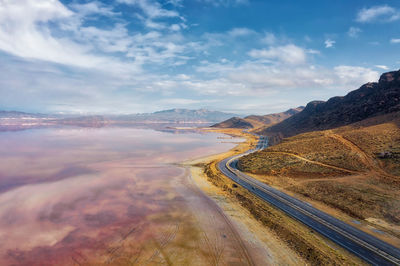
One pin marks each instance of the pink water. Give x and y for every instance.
(94, 196)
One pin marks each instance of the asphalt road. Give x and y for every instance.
(365, 246)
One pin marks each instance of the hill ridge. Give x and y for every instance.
(371, 99)
(254, 121)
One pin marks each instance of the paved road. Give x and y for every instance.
(365, 246)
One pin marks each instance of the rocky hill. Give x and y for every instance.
(256, 121)
(201, 115)
(371, 99)
(175, 116)
(234, 122)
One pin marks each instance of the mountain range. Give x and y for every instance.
(343, 153)
(13, 120)
(370, 100)
(175, 116)
(254, 121)
(373, 99)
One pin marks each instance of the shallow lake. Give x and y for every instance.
(73, 196)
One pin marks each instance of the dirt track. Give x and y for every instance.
(314, 162)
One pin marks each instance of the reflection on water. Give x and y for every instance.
(97, 196)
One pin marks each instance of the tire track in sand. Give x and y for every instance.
(231, 226)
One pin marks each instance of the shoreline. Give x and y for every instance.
(262, 244)
(298, 244)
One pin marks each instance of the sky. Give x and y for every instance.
(240, 56)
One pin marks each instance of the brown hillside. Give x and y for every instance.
(355, 168)
(234, 122)
(371, 99)
(257, 121)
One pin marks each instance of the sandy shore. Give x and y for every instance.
(261, 244)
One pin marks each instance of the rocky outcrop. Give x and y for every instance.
(371, 99)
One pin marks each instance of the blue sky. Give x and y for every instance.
(242, 56)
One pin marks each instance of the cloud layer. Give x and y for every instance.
(382, 13)
(143, 55)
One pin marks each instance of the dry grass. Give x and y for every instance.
(360, 200)
(282, 164)
(378, 139)
(371, 191)
(315, 249)
(315, 146)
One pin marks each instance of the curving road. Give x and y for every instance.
(365, 246)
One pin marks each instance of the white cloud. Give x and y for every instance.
(382, 67)
(107, 64)
(269, 38)
(225, 2)
(248, 79)
(211, 39)
(351, 75)
(152, 9)
(239, 32)
(49, 31)
(288, 54)
(91, 8)
(312, 51)
(382, 13)
(175, 2)
(395, 41)
(115, 39)
(353, 32)
(23, 32)
(329, 43)
(175, 27)
(179, 101)
(253, 78)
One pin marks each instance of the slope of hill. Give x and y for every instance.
(275, 118)
(234, 122)
(256, 121)
(371, 99)
(354, 169)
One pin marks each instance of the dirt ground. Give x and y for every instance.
(282, 240)
(349, 172)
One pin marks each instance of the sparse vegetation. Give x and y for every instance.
(283, 164)
(377, 140)
(370, 152)
(312, 247)
(314, 147)
(359, 200)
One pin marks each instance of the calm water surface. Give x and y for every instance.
(99, 196)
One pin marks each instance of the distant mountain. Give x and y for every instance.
(234, 122)
(254, 121)
(84, 121)
(15, 114)
(176, 116)
(371, 99)
(13, 120)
